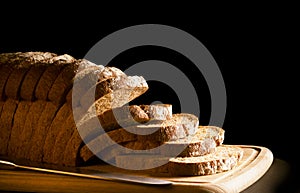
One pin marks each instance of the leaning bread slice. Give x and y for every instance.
(204, 141)
(225, 158)
(130, 88)
(128, 115)
(180, 126)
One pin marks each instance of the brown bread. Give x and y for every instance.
(6, 123)
(54, 129)
(40, 132)
(30, 125)
(18, 126)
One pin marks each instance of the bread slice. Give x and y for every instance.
(104, 141)
(30, 81)
(54, 66)
(125, 116)
(6, 123)
(134, 114)
(55, 127)
(63, 83)
(132, 87)
(5, 72)
(40, 132)
(83, 81)
(18, 126)
(14, 81)
(140, 113)
(107, 81)
(62, 139)
(16, 66)
(32, 118)
(206, 139)
(179, 126)
(225, 158)
(9, 62)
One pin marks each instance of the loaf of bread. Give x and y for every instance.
(56, 109)
(37, 101)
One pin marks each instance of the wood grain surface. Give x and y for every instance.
(256, 161)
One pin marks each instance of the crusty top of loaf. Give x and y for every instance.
(28, 59)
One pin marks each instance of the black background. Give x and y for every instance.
(255, 56)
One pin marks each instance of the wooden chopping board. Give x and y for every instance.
(256, 161)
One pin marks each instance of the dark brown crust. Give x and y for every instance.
(14, 81)
(18, 125)
(31, 122)
(54, 129)
(25, 59)
(5, 72)
(30, 81)
(6, 123)
(40, 132)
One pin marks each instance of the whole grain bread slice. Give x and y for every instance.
(104, 141)
(6, 123)
(18, 126)
(30, 81)
(18, 60)
(62, 139)
(134, 114)
(54, 66)
(16, 65)
(56, 126)
(127, 116)
(204, 141)
(83, 81)
(179, 126)
(5, 72)
(14, 81)
(225, 158)
(132, 87)
(32, 118)
(40, 132)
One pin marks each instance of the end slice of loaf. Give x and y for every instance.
(225, 158)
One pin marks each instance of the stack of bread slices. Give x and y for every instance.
(60, 110)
